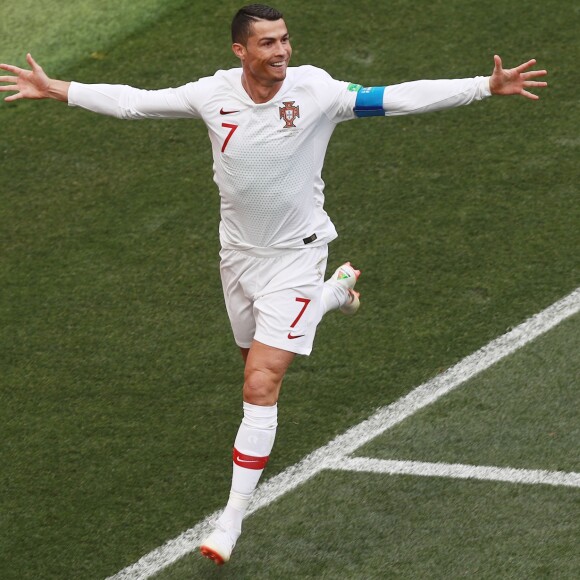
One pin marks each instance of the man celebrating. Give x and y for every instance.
(269, 127)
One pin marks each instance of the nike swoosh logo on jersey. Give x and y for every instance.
(222, 112)
(291, 336)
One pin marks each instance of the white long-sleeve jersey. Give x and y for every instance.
(268, 157)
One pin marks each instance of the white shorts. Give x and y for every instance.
(276, 301)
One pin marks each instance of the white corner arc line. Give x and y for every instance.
(458, 471)
(345, 444)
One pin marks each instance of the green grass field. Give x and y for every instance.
(120, 385)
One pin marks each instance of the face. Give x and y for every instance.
(267, 52)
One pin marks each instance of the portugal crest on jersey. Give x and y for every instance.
(289, 112)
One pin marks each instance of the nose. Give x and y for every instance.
(282, 48)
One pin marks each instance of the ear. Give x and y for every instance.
(239, 50)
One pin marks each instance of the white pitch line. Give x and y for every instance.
(345, 444)
(458, 471)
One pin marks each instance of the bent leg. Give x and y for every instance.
(338, 291)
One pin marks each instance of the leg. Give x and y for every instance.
(264, 372)
(271, 323)
(265, 369)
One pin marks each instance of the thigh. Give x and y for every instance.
(289, 307)
(238, 300)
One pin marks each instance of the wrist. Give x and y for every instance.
(486, 86)
(57, 90)
(493, 86)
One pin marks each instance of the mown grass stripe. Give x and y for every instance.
(335, 452)
(60, 33)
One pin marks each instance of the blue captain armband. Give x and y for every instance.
(369, 102)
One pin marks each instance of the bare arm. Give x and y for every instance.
(32, 84)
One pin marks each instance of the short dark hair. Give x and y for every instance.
(246, 16)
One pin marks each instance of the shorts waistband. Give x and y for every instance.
(257, 252)
(265, 252)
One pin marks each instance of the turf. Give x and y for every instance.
(346, 525)
(360, 526)
(507, 416)
(119, 380)
(60, 33)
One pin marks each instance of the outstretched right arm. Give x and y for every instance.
(32, 84)
(119, 101)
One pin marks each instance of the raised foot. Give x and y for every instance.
(347, 276)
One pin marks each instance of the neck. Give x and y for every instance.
(260, 93)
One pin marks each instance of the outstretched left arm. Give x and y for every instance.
(435, 95)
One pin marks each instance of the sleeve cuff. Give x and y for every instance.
(485, 87)
(71, 94)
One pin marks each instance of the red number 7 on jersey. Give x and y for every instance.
(232, 129)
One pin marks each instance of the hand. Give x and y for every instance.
(515, 81)
(31, 84)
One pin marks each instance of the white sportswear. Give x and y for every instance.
(268, 157)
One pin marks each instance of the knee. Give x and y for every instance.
(261, 387)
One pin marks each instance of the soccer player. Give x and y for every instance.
(269, 127)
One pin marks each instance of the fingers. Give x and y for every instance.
(8, 79)
(535, 84)
(11, 68)
(529, 95)
(534, 73)
(13, 88)
(526, 65)
(17, 70)
(6, 88)
(33, 64)
(9, 88)
(13, 98)
(530, 84)
(521, 68)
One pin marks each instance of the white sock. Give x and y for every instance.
(252, 448)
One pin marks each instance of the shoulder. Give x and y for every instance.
(335, 98)
(312, 80)
(318, 80)
(220, 83)
(221, 77)
(308, 73)
(208, 93)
